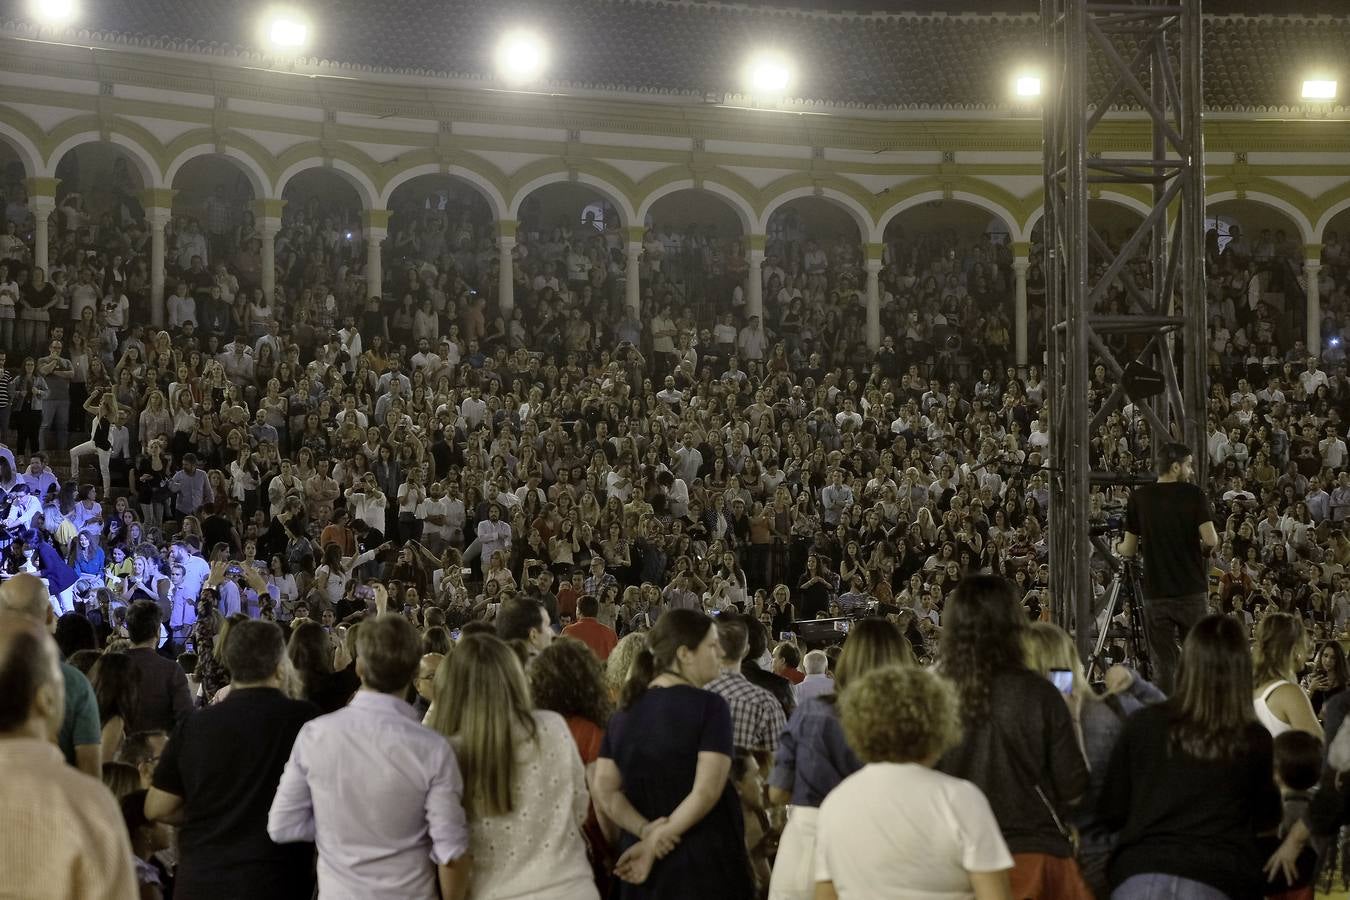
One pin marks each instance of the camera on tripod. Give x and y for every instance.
(1122, 615)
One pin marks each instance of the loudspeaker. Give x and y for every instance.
(1140, 382)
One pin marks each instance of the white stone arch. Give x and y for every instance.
(743, 208)
(257, 175)
(867, 229)
(616, 197)
(967, 197)
(141, 158)
(360, 181)
(1125, 201)
(490, 192)
(25, 149)
(1292, 212)
(1320, 229)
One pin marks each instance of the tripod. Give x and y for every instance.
(1125, 582)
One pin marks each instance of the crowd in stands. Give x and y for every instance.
(362, 512)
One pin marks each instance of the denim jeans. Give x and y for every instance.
(1156, 886)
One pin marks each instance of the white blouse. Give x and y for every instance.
(536, 851)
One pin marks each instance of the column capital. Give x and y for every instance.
(372, 219)
(162, 197)
(755, 242)
(1020, 265)
(268, 226)
(507, 228)
(875, 252)
(506, 242)
(39, 187)
(268, 208)
(1021, 249)
(158, 216)
(1312, 252)
(635, 233)
(374, 234)
(633, 248)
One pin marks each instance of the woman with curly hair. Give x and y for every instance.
(567, 678)
(1020, 744)
(813, 756)
(896, 821)
(620, 661)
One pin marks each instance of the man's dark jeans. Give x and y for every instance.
(1167, 621)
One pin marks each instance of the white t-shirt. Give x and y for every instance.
(902, 830)
(430, 507)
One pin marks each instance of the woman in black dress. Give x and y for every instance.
(662, 775)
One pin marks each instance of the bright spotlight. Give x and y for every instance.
(287, 31)
(521, 57)
(1319, 89)
(1027, 86)
(52, 12)
(769, 74)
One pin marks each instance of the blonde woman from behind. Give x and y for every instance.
(524, 785)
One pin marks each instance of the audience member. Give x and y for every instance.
(897, 821)
(68, 840)
(379, 795)
(217, 776)
(524, 786)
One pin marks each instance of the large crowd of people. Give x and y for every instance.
(360, 513)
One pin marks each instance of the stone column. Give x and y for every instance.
(267, 233)
(1020, 264)
(1312, 268)
(375, 261)
(874, 252)
(632, 282)
(754, 291)
(42, 202)
(506, 276)
(374, 228)
(158, 217)
(267, 218)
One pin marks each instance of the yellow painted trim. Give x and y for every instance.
(41, 187)
(158, 197)
(268, 207)
(375, 218)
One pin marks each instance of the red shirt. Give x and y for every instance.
(567, 601)
(793, 675)
(594, 634)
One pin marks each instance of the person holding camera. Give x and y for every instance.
(1171, 517)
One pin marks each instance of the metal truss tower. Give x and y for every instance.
(1149, 55)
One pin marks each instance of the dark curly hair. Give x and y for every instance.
(981, 638)
(568, 679)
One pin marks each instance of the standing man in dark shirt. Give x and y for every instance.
(1172, 519)
(757, 639)
(220, 771)
(165, 700)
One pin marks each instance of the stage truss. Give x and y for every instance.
(1150, 56)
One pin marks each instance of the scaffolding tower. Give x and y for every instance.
(1146, 58)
